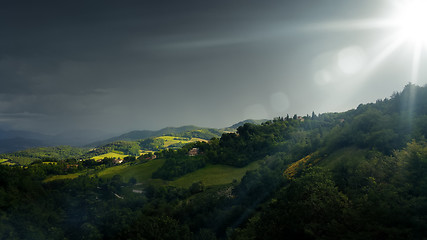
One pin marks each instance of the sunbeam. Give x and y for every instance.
(405, 26)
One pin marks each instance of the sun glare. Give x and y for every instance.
(411, 20)
(405, 27)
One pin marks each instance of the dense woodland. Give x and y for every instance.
(353, 175)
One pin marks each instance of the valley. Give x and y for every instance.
(314, 177)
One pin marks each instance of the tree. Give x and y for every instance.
(197, 187)
(311, 207)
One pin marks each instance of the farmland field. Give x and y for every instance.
(61, 177)
(214, 175)
(209, 175)
(171, 140)
(110, 155)
(142, 172)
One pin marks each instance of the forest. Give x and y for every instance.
(358, 174)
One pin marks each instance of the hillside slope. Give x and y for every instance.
(143, 134)
(358, 174)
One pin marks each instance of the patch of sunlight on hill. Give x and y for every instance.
(172, 140)
(62, 177)
(141, 172)
(109, 155)
(209, 175)
(214, 175)
(8, 163)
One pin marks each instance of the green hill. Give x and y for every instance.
(251, 121)
(209, 175)
(358, 174)
(169, 131)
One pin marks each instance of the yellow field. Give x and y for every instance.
(141, 152)
(109, 155)
(7, 163)
(53, 163)
(3, 160)
(170, 140)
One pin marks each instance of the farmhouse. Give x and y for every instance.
(193, 152)
(117, 161)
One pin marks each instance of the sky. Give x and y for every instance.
(116, 66)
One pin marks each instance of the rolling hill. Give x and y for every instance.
(358, 174)
(143, 134)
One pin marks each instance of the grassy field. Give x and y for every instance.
(170, 140)
(8, 163)
(209, 175)
(142, 172)
(110, 155)
(141, 152)
(214, 175)
(61, 177)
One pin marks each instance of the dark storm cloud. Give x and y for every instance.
(86, 64)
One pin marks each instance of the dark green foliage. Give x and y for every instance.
(252, 142)
(205, 133)
(178, 163)
(374, 189)
(197, 187)
(163, 227)
(153, 144)
(310, 207)
(124, 147)
(45, 153)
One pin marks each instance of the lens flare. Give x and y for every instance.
(351, 60)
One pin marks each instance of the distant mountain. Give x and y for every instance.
(18, 143)
(78, 137)
(184, 131)
(9, 134)
(259, 121)
(142, 134)
(13, 140)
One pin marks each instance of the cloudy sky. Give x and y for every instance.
(116, 66)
